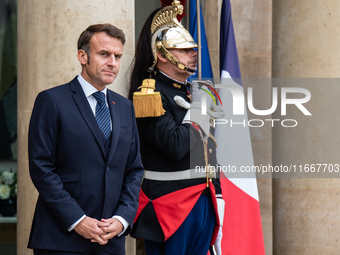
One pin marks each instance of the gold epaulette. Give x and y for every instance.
(147, 102)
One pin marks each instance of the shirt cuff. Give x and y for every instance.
(123, 221)
(76, 223)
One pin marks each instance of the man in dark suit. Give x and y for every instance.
(84, 156)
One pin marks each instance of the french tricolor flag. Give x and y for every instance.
(242, 228)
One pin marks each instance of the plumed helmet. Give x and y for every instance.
(168, 33)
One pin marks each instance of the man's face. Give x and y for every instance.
(188, 57)
(103, 65)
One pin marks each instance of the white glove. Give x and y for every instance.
(198, 93)
(181, 102)
(218, 242)
(216, 112)
(220, 210)
(194, 114)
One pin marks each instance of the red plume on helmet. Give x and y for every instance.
(169, 2)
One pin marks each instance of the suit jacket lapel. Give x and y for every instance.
(115, 119)
(85, 109)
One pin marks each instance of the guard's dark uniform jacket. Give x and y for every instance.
(168, 145)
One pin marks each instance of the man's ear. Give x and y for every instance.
(161, 58)
(82, 57)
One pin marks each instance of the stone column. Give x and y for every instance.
(47, 45)
(306, 45)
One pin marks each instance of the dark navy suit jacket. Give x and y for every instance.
(74, 173)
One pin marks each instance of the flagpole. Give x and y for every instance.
(199, 42)
(188, 15)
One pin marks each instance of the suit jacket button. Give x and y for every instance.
(107, 169)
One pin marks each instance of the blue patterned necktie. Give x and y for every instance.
(102, 114)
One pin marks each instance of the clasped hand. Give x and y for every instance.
(99, 231)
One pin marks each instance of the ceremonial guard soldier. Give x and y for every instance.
(180, 193)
